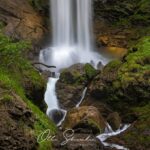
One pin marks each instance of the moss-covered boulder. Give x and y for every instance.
(125, 83)
(137, 137)
(78, 74)
(72, 83)
(85, 118)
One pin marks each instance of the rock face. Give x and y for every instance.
(137, 136)
(34, 87)
(124, 86)
(16, 123)
(72, 82)
(85, 118)
(137, 11)
(118, 23)
(21, 20)
(125, 83)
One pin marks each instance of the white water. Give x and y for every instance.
(72, 43)
(71, 35)
(50, 95)
(83, 96)
(110, 133)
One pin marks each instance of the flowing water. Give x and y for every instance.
(71, 35)
(110, 133)
(71, 43)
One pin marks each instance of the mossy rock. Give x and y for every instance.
(138, 133)
(78, 74)
(125, 83)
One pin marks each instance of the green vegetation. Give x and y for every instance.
(121, 81)
(90, 71)
(135, 12)
(17, 75)
(78, 74)
(140, 132)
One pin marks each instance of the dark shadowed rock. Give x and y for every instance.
(56, 115)
(114, 120)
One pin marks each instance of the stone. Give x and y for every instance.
(56, 115)
(114, 120)
(85, 117)
(72, 83)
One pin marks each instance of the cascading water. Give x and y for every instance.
(71, 34)
(71, 42)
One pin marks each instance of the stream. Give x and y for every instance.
(72, 42)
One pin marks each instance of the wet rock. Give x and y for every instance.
(72, 82)
(34, 86)
(113, 40)
(56, 115)
(85, 117)
(100, 66)
(117, 51)
(114, 120)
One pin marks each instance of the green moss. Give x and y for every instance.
(42, 124)
(140, 131)
(90, 71)
(113, 65)
(93, 124)
(126, 83)
(5, 97)
(77, 76)
(16, 72)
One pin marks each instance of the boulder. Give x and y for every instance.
(87, 118)
(72, 83)
(56, 115)
(114, 120)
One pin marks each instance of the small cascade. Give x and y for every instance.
(110, 133)
(83, 96)
(50, 95)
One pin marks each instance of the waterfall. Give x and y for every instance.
(71, 34)
(84, 24)
(71, 43)
(62, 22)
